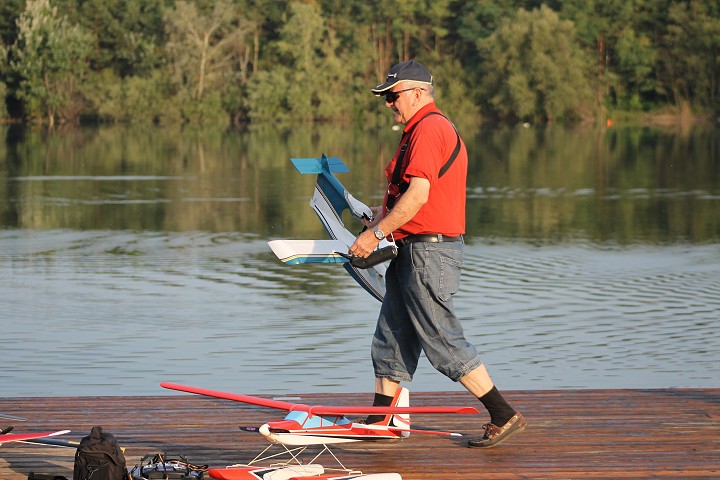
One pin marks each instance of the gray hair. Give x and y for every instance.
(428, 88)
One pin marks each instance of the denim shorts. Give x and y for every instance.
(417, 314)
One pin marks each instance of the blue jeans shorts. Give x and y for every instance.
(417, 315)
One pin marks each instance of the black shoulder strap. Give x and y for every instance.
(453, 155)
(397, 172)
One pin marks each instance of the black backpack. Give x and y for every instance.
(98, 457)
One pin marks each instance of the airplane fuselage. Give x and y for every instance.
(299, 429)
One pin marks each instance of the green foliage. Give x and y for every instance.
(126, 34)
(133, 99)
(9, 12)
(453, 92)
(310, 77)
(3, 94)
(636, 58)
(49, 57)
(206, 112)
(535, 69)
(202, 51)
(599, 24)
(300, 46)
(691, 61)
(205, 61)
(267, 97)
(3, 86)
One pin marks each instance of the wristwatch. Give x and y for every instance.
(379, 234)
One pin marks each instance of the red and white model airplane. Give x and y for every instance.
(6, 437)
(306, 425)
(325, 425)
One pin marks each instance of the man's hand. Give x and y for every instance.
(405, 209)
(377, 216)
(364, 244)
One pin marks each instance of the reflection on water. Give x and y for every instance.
(539, 185)
(130, 258)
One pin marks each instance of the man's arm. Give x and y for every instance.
(404, 210)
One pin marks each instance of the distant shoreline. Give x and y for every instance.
(666, 117)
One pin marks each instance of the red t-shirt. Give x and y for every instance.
(431, 144)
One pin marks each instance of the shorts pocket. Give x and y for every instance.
(450, 269)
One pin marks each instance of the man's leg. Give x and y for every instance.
(386, 386)
(504, 420)
(395, 347)
(385, 390)
(429, 290)
(478, 381)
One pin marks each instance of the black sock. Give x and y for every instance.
(500, 411)
(380, 401)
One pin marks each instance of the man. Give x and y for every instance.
(424, 212)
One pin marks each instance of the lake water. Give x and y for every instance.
(130, 258)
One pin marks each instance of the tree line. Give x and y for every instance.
(221, 62)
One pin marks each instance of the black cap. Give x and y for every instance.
(404, 71)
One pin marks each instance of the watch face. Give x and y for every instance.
(379, 235)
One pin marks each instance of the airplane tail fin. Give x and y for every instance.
(329, 188)
(400, 420)
(315, 166)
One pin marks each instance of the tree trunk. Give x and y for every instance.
(388, 48)
(203, 62)
(256, 55)
(381, 47)
(48, 93)
(406, 47)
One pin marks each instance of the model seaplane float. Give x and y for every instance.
(319, 425)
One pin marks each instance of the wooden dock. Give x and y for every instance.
(571, 434)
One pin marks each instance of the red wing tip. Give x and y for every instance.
(469, 410)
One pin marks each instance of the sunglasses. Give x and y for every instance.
(391, 97)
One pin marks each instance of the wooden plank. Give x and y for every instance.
(662, 433)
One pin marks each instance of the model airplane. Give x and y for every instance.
(325, 425)
(307, 425)
(6, 437)
(330, 201)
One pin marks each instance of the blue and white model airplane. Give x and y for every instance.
(329, 201)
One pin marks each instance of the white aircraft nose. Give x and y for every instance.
(269, 435)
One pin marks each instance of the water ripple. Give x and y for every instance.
(115, 313)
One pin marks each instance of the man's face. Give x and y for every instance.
(401, 101)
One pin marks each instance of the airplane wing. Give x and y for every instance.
(12, 417)
(53, 442)
(294, 252)
(262, 402)
(317, 409)
(330, 199)
(19, 437)
(340, 410)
